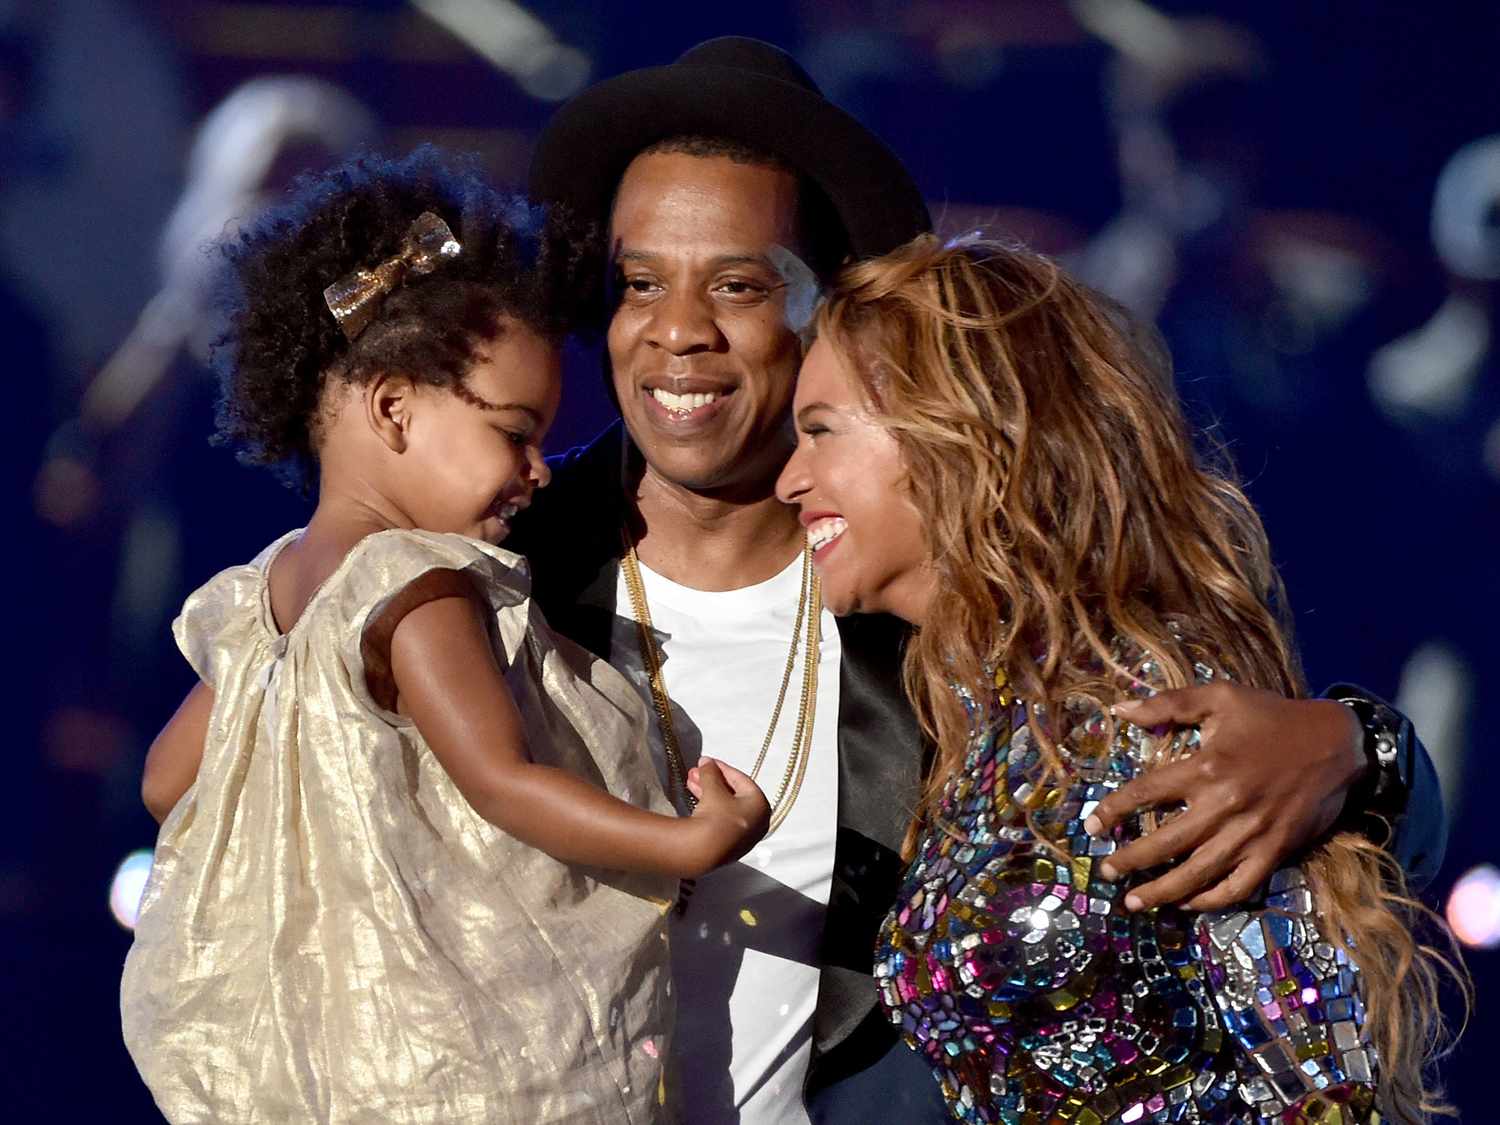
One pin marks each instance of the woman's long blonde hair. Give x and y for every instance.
(1068, 514)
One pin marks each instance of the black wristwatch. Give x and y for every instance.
(1386, 785)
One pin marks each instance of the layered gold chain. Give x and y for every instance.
(809, 612)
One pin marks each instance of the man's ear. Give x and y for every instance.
(389, 401)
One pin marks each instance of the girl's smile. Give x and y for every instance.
(471, 456)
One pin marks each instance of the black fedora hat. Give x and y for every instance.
(742, 90)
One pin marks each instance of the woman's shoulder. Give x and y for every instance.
(1084, 722)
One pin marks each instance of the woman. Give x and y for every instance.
(983, 452)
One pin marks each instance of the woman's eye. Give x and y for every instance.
(518, 438)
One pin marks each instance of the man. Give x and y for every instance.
(730, 187)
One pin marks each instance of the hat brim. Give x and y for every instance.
(584, 150)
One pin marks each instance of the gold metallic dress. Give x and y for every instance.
(330, 933)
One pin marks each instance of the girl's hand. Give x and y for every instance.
(732, 814)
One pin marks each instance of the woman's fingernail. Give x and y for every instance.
(1093, 825)
(1133, 902)
(1107, 872)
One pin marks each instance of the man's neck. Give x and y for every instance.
(710, 543)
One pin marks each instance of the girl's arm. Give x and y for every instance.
(448, 682)
(172, 762)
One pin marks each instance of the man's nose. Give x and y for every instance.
(682, 323)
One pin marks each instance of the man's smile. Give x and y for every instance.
(685, 404)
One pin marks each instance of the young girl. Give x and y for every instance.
(415, 860)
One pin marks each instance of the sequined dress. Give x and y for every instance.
(330, 932)
(1037, 997)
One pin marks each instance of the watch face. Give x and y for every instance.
(1386, 726)
(1388, 787)
(1385, 748)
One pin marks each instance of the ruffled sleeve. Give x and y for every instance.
(223, 614)
(388, 564)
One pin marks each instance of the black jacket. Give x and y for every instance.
(571, 534)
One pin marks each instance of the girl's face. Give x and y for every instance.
(475, 454)
(848, 478)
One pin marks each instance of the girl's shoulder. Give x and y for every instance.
(387, 574)
(383, 564)
(232, 609)
(228, 614)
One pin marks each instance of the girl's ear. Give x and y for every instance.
(389, 400)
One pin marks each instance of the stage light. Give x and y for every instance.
(516, 41)
(126, 887)
(1474, 907)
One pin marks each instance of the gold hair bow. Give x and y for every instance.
(356, 299)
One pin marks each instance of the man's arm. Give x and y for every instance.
(1272, 776)
(1397, 802)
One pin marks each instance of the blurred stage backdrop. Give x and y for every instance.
(1305, 197)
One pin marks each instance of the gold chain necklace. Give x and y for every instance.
(796, 765)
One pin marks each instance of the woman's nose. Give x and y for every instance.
(794, 480)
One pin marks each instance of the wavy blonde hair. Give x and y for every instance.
(1069, 517)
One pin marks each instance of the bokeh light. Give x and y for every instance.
(1474, 907)
(126, 888)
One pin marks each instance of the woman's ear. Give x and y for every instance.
(388, 401)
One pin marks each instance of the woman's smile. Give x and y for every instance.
(848, 477)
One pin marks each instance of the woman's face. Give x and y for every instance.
(848, 478)
(476, 463)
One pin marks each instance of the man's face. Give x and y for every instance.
(704, 359)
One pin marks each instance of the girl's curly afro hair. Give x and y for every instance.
(282, 341)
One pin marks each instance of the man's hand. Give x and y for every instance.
(1270, 775)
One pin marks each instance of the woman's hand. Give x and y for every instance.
(1270, 776)
(732, 814)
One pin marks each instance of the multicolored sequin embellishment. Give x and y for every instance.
(1019, 975)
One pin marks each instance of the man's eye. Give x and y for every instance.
(739, 287)
(639, 285)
